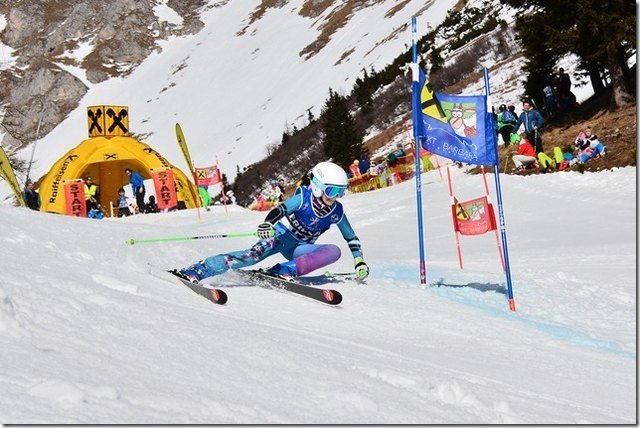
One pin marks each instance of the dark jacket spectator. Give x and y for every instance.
(32, 197)
(533, 122)
(137, 187)
(364, 165)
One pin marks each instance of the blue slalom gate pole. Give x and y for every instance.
(503, 229)
(417, 138)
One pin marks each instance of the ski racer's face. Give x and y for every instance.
(327, 200)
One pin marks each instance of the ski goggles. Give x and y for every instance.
(330, 191)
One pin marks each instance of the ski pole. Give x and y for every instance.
(188, 238)
(329, 273)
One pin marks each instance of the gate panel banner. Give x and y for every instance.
(165, 188)
(208, 176)
(473, 217)
(75, 203)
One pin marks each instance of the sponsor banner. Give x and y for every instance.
(474, 217)
(74, 198)
(165, 185)
(208, 176)
(454, 126)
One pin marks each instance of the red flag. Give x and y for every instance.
(473, 217)
(74, 198)
(208, 176)
(165, 188)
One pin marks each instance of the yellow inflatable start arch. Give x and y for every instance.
(105, 158)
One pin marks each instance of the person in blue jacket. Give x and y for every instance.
(291, 229)
(532, 121)
(137, 187)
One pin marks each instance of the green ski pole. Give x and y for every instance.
(189, 238)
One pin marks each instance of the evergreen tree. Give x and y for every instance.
(362, 94)
(342, 140)
(601, 32)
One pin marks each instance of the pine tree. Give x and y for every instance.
(342, 140)
(362, 94)
(601, 33)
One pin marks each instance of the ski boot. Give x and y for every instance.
(194, 273)
(282, 271)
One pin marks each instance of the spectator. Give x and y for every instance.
(588, 146)
(526, 156)
(506, 121)
(122, 203)
(392, 162)
(275, 195)
(549, 100)
(363, 166)
(152, 207)
(546, 162)
(373, 168)
(281, 186)
(532, 121)
(91, 194)
(261, 201)
(594, 142)
(494, 120)
(137, 187)
(31, 197)
(566, 102)
(354, 168)
(564, 82)
(205, 197)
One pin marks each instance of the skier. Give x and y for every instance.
(308, 213)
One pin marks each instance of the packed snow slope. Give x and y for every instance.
(88, 335)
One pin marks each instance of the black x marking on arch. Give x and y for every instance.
(117, 120)
(94, 116)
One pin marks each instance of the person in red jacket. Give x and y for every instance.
(354, 168)
(526, 154)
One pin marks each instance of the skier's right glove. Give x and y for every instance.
(361, 268)
(265, 230)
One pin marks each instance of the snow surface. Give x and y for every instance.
(89, 336)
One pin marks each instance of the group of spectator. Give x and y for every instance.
(271, 195)
(362, 166)
(558, 97)
(587, 146)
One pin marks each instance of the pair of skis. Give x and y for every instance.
(263, 279)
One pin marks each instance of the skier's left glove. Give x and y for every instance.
(265, 230)
(361, 268)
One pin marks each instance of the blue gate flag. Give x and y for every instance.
(457, 127)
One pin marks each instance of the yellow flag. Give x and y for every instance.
(429, 103)
(185, 151)
(7, 173)
(183, 146)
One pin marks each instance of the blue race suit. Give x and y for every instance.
(300, 219)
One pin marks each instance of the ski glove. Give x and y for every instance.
(265, 230)
(362, 270)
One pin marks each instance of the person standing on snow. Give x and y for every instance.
(532, 121)
(308, 214)
(137, 187)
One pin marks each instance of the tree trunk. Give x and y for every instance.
(596, 80)
(620, 97)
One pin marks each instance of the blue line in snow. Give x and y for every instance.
(480, 295)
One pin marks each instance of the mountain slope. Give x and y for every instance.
(252, 57)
